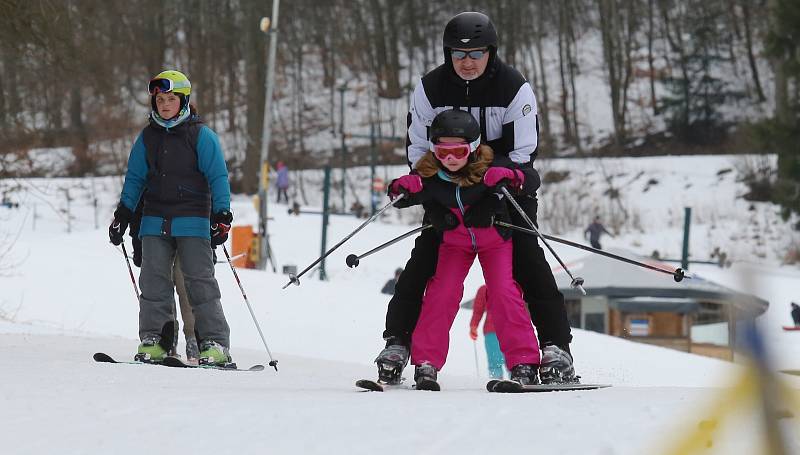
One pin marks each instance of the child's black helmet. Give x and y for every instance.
(455, 123)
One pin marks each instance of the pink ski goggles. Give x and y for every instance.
(457, 150)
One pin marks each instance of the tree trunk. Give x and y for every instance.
(650, 59)
(255, 70)
(748, 36)
(565, 117)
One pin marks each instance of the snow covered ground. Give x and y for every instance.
(66, 295)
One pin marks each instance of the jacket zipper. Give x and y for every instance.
(463, 214)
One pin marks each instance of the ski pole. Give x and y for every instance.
(296, 278)
(475, 349)
(576, 282)
(352, 260)
(130, 270)
(678, 275)
(272, 362)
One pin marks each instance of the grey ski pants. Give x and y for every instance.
(157, 301)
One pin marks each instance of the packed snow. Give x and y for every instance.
(66, 294)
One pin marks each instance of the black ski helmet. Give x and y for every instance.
(455, 123)
(469, 30)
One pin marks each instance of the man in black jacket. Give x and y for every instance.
(473, 78)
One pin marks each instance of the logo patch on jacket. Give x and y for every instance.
(526, 110)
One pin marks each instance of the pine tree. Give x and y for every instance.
(782, 133)
(696, 90)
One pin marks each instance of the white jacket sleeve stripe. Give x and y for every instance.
(422, 114)
(523, 112)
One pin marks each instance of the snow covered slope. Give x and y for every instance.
(69, 295)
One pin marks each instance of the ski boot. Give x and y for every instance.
(556, 367)
(151, 350)
(425, 377)
(214, 354)
(391, 361)
(525, 374)
(192, 351)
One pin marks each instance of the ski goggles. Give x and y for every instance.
(457, 150)
(477, 54)
(164, 85)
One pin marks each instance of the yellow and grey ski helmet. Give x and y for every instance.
(170, 81)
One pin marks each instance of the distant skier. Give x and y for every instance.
(494, 356)
(594, 231)
(282, 181)
(796, 314)
(388, 288)
(180, 162)
(459, 174)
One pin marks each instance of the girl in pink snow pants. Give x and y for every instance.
(458, 178)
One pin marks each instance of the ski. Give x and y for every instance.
(506, 386)
(377, 386)
(790, 328)
(105, 358)
(172, 362)
(176, 362)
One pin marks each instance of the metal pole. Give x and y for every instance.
(373, 196)
(687, 221)
(352, 260)
(266, 132)
(577, 282)
(342, 89)
(326, 195)
(272, 362)
(130, 270)
(678, 275)
(295, 279)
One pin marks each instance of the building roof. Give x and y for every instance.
(629, 283)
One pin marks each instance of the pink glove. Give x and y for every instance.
(494, 175)
(473, 333)
(411, 183)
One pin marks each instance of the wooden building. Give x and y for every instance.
(631, 302)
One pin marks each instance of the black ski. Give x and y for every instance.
(105, 358)
(172, 362)
(377, 386)
(176, 362)
(506, 386)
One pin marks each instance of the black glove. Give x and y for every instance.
(483, 213)
(117, 228)
(220, 225)
(440, 217)
(137, 251)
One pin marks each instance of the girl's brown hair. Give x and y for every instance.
(468, 175)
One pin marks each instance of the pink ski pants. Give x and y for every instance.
(431, 338)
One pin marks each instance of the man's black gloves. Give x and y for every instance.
(122, 217)
(220, 225)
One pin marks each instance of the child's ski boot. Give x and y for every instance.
(425, 377)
